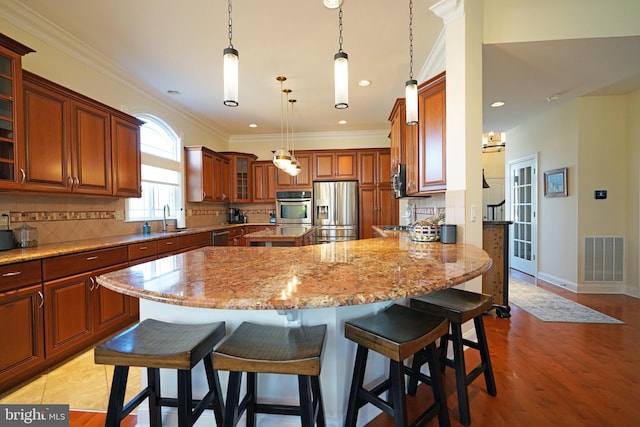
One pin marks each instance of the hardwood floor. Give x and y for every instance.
(554, 374)
(547, 374)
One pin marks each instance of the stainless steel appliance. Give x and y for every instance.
(335, 210)
(399, 181)
(293, 207)
(220, 238)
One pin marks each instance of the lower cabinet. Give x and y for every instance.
(378, 206)
(21, 335)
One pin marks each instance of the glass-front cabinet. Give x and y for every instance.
(241, 176)
(11, 53)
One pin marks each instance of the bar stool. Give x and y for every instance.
(253, 348)
(460, 306)
(153, 344)
(397, 333)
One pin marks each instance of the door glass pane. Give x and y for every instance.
(5, 66)
(6, 88)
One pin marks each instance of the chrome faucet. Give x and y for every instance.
(165, 214)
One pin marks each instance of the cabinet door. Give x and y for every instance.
(388, 206)
(264, 181)
(304, 180)
(367, 165)
(68, 322)
(91, 150)
(397, 134)
(125, 155)
(221, 170)
(432, 135)
(21, 334)
(368, 211)
(199, 170)
(110, 308)
(10, 117)
(335, 165)
(46, 152)
(323, 165)
(383, 168)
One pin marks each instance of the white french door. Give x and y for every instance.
(523, 202)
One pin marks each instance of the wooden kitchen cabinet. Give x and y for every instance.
(69, 141)
(428, 173)
(264, 181)
(236, 236)
(79, 312)
(302, 181)
(207, 175)
(22, 320)
(335, 165)
(241, 176)
(378, 205)
(398, 121)
(11, 53)
(126, 158)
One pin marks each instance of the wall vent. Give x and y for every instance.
(604, 259)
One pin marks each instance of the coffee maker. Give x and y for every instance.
(234, 216)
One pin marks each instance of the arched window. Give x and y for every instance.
(161, 171)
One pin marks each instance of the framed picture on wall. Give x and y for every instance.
(555, 183)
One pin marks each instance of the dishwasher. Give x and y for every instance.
(220, 238)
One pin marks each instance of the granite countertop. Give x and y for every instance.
(284, 278)
(281, 232)
(65, 248)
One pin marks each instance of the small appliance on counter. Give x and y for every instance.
(27, 236)
(7, 240)
(234, 216)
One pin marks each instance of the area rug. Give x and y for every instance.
(550, 307)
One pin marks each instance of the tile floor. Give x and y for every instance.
(80, 383)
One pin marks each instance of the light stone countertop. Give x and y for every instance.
(317, 276)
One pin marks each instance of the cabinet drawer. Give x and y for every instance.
(168, 245)
(20, 274)
(195, 240)
(142, 250)
(68, 265)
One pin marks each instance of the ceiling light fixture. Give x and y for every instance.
(497, 104)
(230, 60)
(282, 158)
(341, 70)
(331, 4)
(295, 168)
(364, 83)
(411, 86)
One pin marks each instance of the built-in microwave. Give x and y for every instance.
(294, 207)
(399, 181)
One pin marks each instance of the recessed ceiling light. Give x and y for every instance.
(553, 97)
(173, 92)
(342, 122)
(253, 125)
(364, 83)
(497, 104)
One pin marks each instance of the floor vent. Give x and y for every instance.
(603, 259)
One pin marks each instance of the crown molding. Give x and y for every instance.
(312, 136)
(436, 61)
(448, 10)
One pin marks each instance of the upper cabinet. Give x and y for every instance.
(264, 181)
(422, 148)
(207, 175)
(11, 53)
(302, 181)
(241, 176)
(335, 164)
(125, 155)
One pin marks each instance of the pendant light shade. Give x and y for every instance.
(230, 69)
(230, 77)
(411, 102)
(282, 158)
(341, 79)
(341, 71)
(411, 86)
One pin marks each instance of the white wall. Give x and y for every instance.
(632, 208)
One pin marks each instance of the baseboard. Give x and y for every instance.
(584, 288)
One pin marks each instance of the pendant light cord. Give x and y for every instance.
(410, 39)
(230, 26)
(340, 28)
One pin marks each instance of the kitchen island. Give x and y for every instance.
(282, 236)
(319, 284)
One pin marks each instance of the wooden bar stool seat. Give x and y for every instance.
(397, 333)
(460, 306)
(153, 344)
(254, 348)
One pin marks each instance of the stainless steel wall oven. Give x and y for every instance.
(294, 207)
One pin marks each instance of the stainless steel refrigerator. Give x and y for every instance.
(335, 210)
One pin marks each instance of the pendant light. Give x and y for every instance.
(230, 60)
(411, 86)
(341, 70)
(282, 158)
(295, 168)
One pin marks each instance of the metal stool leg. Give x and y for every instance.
(356, 384)
(483, 347)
